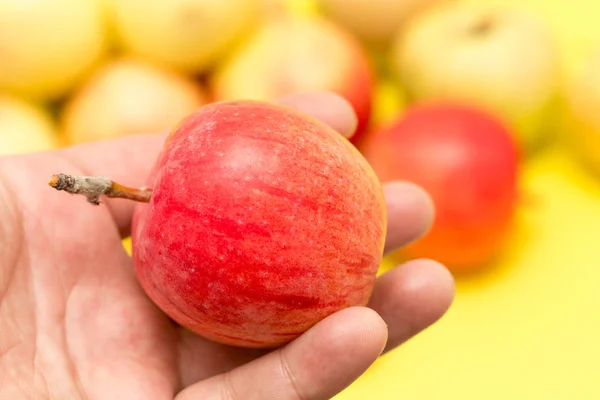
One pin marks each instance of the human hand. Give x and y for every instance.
(75, 324)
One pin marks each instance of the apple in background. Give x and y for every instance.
(275, 8)
(262, 222)
(129, 96)
(502, 60)
(373, 21)
(47, 46)
(467, 161)
(581, 130)
(293, 53)
(190, 35)
(25, 127)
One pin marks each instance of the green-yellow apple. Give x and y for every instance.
(129, 96)
(25, 127)
(294, 53)
(582, 128)
(190, 35)
(47, 46)
(503, 60)
(373, 21)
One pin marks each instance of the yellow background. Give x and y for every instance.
(529, 328)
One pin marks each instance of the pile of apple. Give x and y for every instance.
(480, 89)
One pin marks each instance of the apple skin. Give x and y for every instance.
(468, 162)
(503, 60)
(262, 222)
(294, 53)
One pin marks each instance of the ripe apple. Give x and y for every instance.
(190, 35)
(25, 127)
(373, 21)
(582, 127)
(502, 60)
(129, 96)
(467, 161)
(47, 46)
(262, 221)
(295, 53)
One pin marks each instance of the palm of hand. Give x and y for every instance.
(74, 322)
(74, 316)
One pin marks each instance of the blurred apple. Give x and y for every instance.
(47, 46)
(25, 127)
(582, 128)
(373, 21)
(129, 96)
(503, 60)
(275, 8)
(298, 53)
(468, 162)
(190, 35)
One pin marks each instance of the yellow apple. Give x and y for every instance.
(47, 46)
(295, 53)
(190, 35)
(373, 21)
(582, 123)
(503, 60)
(129, 96)
(25, 127)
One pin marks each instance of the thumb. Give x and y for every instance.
(317, 365)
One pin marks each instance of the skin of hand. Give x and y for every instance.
(75, 324)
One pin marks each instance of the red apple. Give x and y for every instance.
(262, 222)
(299, 53)
(467, 161)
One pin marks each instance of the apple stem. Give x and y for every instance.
(92, 187)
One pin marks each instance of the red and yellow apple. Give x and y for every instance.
(298, 53)
(129, 96)
(262, 222)
(467, 161)
(503, 60)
